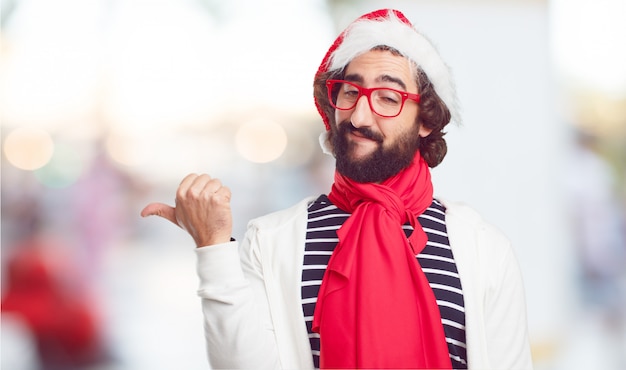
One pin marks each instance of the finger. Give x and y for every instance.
(161, 210)
(212, 186)
(193, 185)
(186, 183)
(224, 191)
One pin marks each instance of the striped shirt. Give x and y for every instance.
(436, 260)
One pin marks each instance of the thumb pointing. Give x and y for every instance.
(161, 210)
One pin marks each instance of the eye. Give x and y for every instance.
(349, 91)
(388, 97)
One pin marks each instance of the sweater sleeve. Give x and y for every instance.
(506, 328)
(237, 323)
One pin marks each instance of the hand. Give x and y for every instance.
(202, 209)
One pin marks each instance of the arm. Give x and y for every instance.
(237, 323)
(506, 328)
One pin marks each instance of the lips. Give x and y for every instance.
(365, 133)
(358, 134)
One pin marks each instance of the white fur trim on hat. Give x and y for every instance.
(325, 144)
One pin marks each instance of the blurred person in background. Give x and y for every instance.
(53, 266)
(378, 273)
(44, 294)
(598, 223)
(47, 300)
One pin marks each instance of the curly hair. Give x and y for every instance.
(433, 113)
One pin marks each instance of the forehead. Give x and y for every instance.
(372, 65)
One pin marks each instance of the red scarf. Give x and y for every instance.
(375, 308)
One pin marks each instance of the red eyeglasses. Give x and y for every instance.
(385, 102)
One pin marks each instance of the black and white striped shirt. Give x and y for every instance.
(436, 260)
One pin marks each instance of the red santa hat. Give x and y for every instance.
(391, 28)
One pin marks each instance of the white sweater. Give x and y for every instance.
(253, 311)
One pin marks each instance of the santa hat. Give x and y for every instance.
(391, 28)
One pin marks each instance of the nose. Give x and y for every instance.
(362, 115)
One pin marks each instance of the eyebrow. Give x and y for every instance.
(384, 78)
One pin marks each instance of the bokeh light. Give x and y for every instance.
(28, 148)
(261, 140)
(127, 149)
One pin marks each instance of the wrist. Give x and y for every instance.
(201, 244)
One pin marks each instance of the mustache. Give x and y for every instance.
(346, 127)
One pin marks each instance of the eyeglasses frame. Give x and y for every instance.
(368, 93)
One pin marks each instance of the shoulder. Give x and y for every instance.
(474, 240)
(461, 211)
(465, 220)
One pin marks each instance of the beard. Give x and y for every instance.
(378, 166)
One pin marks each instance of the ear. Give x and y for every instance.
(424, 131)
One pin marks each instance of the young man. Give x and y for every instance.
(376, 274)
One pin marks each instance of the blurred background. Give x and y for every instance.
(107, 104)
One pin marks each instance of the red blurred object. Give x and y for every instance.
(42, 290)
